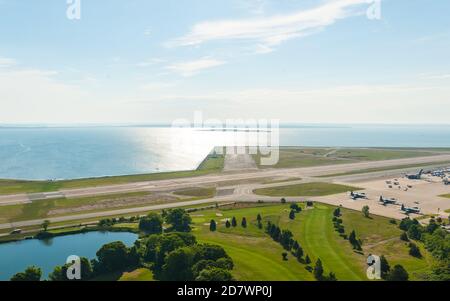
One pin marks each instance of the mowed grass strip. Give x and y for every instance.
(137, 275)
(40, 209)
(204, 192)
(305, 189)
(314, 230)
(373, 154)
(211, 164)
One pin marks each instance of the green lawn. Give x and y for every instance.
(201, 192)
(445, 196)
(306, 189)
(291, 157)
(371, 154)
(376, 169)
(211, 164)
(141, 274)
(258, 257)
(306, 157)
(41, 209)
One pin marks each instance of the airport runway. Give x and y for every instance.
(165, 185)
(244, 192)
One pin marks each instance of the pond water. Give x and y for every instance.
(17, 256)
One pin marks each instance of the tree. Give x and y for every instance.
(414, 232)
(299, 253)
(404, 236)
(225, 263)
(414, 250)
(212, 226)
(259, 218)
(234, 222)
(260, 225)
(31, 273)
(178, 266)
(284, 255)
(283, 201)
(45, 225)
(60, 272)
(179, 219)
(354, 241)
(151, 224)
(331, 277)
(244, 222)
(112, 257)
(227, 224)
(432, 226)
(366, 211)
(318, 270)
(398, 273)
(307, 259)
(296, 207)
(292, 215)
(384, 266)
(214, 274)
(286, 239)
(337, 212)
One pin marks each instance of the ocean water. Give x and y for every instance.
(78, 152)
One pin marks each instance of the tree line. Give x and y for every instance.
(172, 254)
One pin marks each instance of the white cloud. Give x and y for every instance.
(150, 62)
(156, 86)
(271, 31)
(7, 62)
(193, 67)
(396, 103)
(148, 32)
(436, 76)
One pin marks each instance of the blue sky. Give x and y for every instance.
(140, 61)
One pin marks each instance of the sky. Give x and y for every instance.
(149, 61)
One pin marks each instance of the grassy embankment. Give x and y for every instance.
(61, 207)
(307, 157)
(211, 164)
(258, 257)
(386, 168)
(306, 189)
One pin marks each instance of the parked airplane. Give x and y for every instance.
(356, 195)
(386, 202)
(438, 173)
(417, 176)
(409, 210)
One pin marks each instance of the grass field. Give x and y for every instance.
(258, 257)
(300, 157)
(137, 275)
(212, 162)
(386, 168)
(306, 189)
(59, 207)
(305, 157)
(446, 196)
(210, 165)
(201, 192)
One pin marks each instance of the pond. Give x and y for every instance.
(17, 256)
